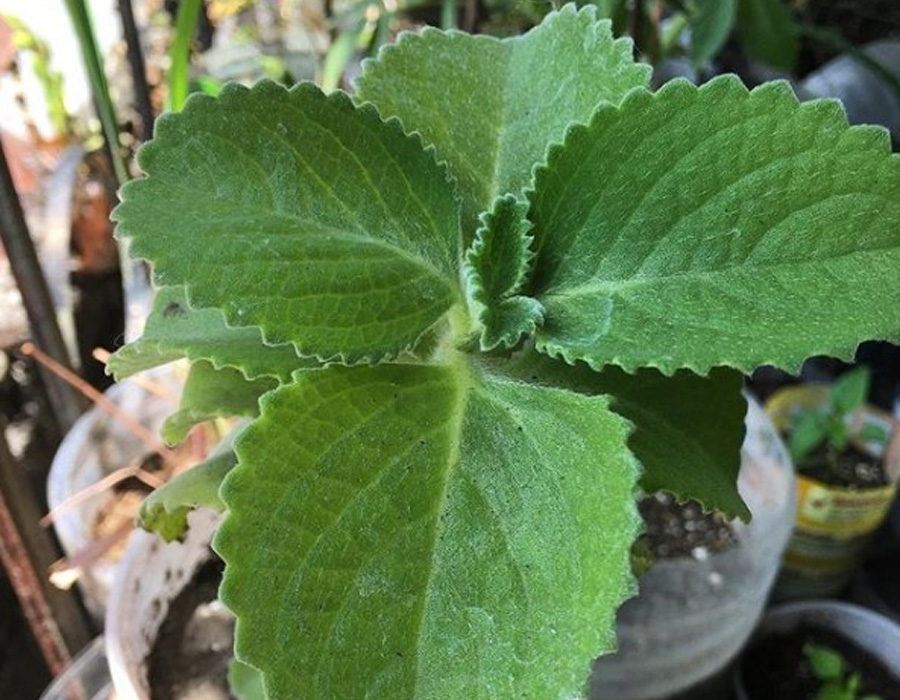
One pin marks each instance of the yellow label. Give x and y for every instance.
(840, 512)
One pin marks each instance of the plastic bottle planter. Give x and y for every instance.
(87, 678)
(150, 576)
(833, 523)
(691, 617)
(95, 446)
(870, 633)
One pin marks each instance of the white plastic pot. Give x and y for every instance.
(86, 678)
(95, 446)
(150, 576)
(692, 617)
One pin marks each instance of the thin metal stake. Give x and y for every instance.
(35, 295)
(138, 68)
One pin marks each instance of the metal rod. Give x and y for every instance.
(36, 297)
(138, 68)
(56, 619)
(27, 585)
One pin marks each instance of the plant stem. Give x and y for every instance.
(448, 14)
(84, 30)
(180, 52)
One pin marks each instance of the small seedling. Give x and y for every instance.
(830, 425)
(830, 669)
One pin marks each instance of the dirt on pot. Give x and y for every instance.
(192, 651)
(777, 668)
(682, 529)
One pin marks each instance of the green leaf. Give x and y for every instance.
(211, 393)
(834, 691)
(497, 265)
(301, 214)
(808, 432)
(871, 432)
(165, 510)
(492, 106)
(688, 430)
(850, 390)
(175, 330)
(711, 24)
(768, 32)
(433, 533)
(825, 663)
(715, 226)
(245, 682)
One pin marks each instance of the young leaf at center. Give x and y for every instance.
(497, 264)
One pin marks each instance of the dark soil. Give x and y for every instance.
(853, 469)
(777, 669)
(676, 529)
(194, 647)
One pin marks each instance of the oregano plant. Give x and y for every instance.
(472, 312)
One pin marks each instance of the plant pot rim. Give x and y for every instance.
(149, 576)
(883, 643)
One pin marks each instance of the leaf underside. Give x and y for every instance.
(716, 226)
(403, 535)
(492, 106)
(174, 331)
(165, 510)
(211, 393)
(300, 214)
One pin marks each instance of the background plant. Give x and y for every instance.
(830, 426)
(484, 304)
(830, 669)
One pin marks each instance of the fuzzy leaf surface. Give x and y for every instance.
(497, 265)
(390, 530)
(715, 226)
(711, 25)
(175, 330)
(211, 393)
(688, 430)
(245, 682)
(301, 214)
(492, 106)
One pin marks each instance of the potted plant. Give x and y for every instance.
(708, 583)
(417, 512)
(846, 479)
(823, 650)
